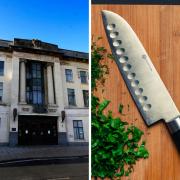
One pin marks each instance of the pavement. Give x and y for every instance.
(28, 155)
(78, 171)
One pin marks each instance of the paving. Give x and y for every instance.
(78, 171)
(28, 152)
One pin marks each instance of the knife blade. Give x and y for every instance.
(143, 81)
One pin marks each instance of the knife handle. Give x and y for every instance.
(174, 128)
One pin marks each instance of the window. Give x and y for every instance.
(1, 68)
(71, 97)
(34, 83)
(83, 76)
(1, 91)
(78, 129)
(86, 98)
(69, 75)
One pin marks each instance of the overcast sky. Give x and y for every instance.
(63, 22)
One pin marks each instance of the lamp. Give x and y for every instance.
(14, 113)
(63, 115)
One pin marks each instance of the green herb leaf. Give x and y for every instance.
(115, 144)
(103, 105)
(121, 108)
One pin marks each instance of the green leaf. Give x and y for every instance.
(103, 105)
(111, 138)
(95, 143)
(120, 108)
(117, 152)
(110, 56)
(142, 152)
(114, 143)
(137, 133)
(115, 123)
(100, 49)
(121, 173)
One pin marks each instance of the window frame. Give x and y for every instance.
(84, 76)
(78, 130)
(1, 89)
(2, 70)
(35, 83)
(72, 95)
(86, 104)
(69, 75)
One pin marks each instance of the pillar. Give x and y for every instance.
(22, 81)
(62, 131)
(13, 134)
(50, 84)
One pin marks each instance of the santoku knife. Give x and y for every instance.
(144, 83)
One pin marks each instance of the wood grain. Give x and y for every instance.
(158, 27)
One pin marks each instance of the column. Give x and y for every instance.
(50, 85)
(58, 86)
(62, 132)
(13, 134)
(22, 82)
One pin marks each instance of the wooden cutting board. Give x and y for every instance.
(158, 28)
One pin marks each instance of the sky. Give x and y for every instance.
(61, 22)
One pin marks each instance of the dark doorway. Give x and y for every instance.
(37, 130)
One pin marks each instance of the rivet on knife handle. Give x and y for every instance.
(143, 81)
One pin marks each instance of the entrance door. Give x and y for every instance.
(37, 130)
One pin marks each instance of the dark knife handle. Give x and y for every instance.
(174, 128)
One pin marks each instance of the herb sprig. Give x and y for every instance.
(115, 145)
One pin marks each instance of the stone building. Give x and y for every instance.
(43, 94)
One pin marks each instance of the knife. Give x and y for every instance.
(143, 81)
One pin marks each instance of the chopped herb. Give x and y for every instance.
(121, 108)
(115, 144)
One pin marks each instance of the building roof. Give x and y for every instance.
(40, 47)
(76, 54)
(5, 43)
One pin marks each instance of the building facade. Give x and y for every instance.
(43, 94)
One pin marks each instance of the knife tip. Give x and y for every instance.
(104, 12)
